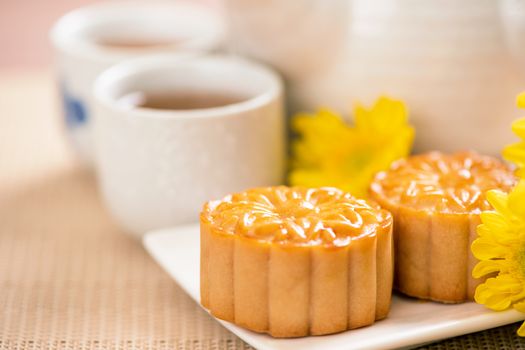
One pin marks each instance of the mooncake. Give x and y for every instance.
(293, 262)
(436, 200)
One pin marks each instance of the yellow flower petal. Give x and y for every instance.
(486, 267)
(494, 221)
(521, 330)
(486, 249)
(518, 126)
(498, 200)
(520, 100)
(520, 306)
(499, 293)
(515, 153)
(517, 199)
(310, 178)
(385, 116)
(483, 231)
(494, 301)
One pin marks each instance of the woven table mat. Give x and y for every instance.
(69, 278)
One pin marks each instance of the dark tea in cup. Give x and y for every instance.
(179, 100)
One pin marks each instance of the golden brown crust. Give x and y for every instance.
(436, 210)
(295, 216)
(442, 183)
(290, 290)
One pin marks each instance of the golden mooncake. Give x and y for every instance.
(293, 262)
(436, 200)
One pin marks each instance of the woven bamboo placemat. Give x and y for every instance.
(69, 278)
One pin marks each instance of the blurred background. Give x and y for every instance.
(24, 30)
(24, 27)
(452, 62)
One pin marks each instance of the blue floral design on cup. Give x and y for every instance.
(75, 110)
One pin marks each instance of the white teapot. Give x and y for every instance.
(457, 64)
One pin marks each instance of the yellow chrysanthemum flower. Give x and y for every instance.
(329, 152)
(516, 152)
(501, 243)
(501, 250)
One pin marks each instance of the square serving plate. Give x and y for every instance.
(410, 322)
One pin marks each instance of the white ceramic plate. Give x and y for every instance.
(409, 323)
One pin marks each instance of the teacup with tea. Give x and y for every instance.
(171, 133)
(93, 38)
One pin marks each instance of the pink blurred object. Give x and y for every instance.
(24, 28)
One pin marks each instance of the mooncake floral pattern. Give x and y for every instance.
(296, 215)
(444, 183)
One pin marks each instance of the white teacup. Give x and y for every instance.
(91, 39)
(156, 167)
